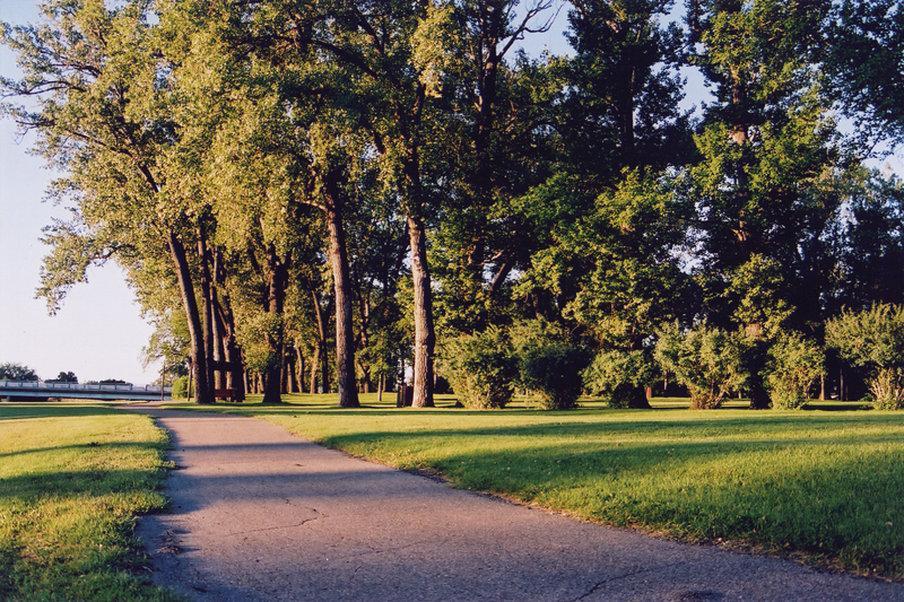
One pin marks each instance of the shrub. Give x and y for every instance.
(794, 365)
(180, 387)
(874, 338)
(552, 371)
(620, 377)
(549, 363)
(708, 361)
(482, 369)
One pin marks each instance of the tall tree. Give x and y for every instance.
(768, 181)
(94, 76)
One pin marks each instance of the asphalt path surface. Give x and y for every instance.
(259, 514)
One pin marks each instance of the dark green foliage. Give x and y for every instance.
(620, 377)
(795, 363)
(863, 61)
(481, 368)
(705, 359)
(871, 249)
(624, 89)
(874, 338)
(550, 362)
(552, 371)
(64, 377)
(19, 372)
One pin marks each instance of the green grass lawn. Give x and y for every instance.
(73, 477)
(823, 486)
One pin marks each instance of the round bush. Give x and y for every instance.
(481, 369)
(620, 377)
(706, 360)
(553, 372)
(874, 338)
(794, 365)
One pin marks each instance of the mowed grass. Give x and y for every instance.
(73, 477)
(823, 486)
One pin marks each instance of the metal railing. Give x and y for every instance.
(38, 385)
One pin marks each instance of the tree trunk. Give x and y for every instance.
(292, 370)
(206, 295)
(235, 379)
(300, 370)
(315, 367)
(424, 336)
(202, 392)
(276, 296)
(318, 361)
(345, 341)
(842, 394)
(220, 378)
(286, 371)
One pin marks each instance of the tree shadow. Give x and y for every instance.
(18, 411)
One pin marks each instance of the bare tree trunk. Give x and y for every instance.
(325, 368)
(206, 295)
(276, 297)
(202, 392)
(220, 379)
(315, 367)
(291, 370)
(345, 341)
(235, 378)
(286, 371)
(318, 362)
(842, 393)
(424, 336)
(299, 370)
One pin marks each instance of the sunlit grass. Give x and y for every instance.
(822, 485)
(73, 477)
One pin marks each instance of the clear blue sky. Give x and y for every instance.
(99, 332)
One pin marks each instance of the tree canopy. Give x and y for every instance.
(332, 194)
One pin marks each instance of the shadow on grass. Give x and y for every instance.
(76, 483)
(17, 411)
(117, 445)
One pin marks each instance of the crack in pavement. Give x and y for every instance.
(374, 550)
(319, 516)
(608, 580)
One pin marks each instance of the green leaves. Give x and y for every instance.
(795, 363)
(873, 337)
(705, 359)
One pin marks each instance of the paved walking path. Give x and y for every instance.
(258, 514)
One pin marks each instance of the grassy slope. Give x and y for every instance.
(822, 485)
(72, 479)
